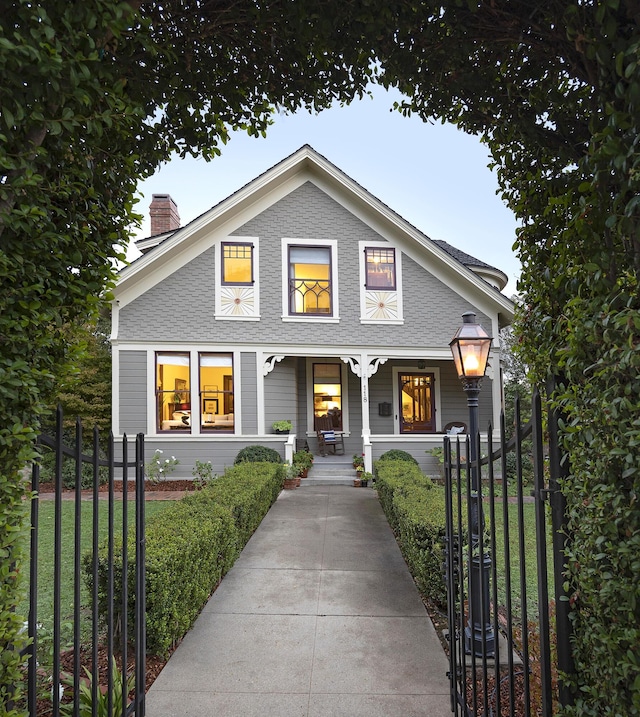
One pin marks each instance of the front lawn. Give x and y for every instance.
(46, 565)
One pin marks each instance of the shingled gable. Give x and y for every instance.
(167, 252)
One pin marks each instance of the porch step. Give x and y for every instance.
(330, 470)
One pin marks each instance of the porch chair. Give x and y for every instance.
(328, 437)
(455, 427)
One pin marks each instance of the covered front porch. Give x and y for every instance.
(377, 402)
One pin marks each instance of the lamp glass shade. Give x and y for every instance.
(470, 348)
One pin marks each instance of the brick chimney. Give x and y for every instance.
(164, 214)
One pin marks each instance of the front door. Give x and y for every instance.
(417, 403)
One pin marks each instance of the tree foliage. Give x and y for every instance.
(554, 90)
(86, 392)
(95, 95)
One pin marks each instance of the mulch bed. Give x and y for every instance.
(149, 487)
(44, 705)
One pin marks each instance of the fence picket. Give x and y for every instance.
(61, 451)
(509, 613)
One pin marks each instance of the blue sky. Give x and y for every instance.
(433, 175)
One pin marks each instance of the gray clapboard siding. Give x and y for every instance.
(301, 378)
(280, 394)
(133, 392)
(220, 451)
(381, 391)
(249, 393)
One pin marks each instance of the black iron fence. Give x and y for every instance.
(509, 632)
(78, 665)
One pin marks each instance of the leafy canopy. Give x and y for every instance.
(95, 95)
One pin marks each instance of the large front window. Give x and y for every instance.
(216, 392)
(327, 392)
(417, 403)
(173, 393)
(310, 280)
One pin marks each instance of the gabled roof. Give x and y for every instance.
(166, 252)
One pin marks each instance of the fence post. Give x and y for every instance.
(559, 470)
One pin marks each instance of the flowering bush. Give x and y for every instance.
(202, 473)
(157, 468)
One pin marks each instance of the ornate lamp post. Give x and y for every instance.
(470, 348)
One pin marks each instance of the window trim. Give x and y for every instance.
(157, 421)
(247, 293)
(224, 394)
(332, 245)
(393, 287)
(194, 380)
(393, 297)
(222, 263)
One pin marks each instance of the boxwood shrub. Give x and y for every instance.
(415, 509)
(190, 546)
(395, 454)
(257, 454)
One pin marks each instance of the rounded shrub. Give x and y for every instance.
(257, 454)
(395, 454)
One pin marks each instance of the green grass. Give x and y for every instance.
(530, 553)
(530, 556)
(46, 564)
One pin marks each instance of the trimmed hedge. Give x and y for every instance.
(190, 546)
(415, 509)
(257, 454)
(395, 454)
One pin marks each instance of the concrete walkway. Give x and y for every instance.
(318, 617)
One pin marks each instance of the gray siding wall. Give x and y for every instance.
(301, 378)
(220, 452)
(249, 393)
(280, 394)
(133, 392)
(381, 391)
(432, 310)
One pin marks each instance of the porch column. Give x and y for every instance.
(493, 372)
(364, 367)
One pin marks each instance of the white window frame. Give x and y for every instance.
(194, 380)
(394, 295)
(335, 306)
(242, 290)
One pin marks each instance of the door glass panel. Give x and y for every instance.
(417, 414)
(327, 392)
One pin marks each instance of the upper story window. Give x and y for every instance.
(380, 268)
(237, 264)
(380, 283)
(310, 282)
(237, 285)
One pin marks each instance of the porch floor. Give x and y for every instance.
(318, 617)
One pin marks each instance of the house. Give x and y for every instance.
(299, 296)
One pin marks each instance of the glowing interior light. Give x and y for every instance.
(471, 363)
